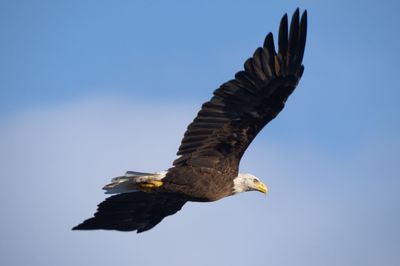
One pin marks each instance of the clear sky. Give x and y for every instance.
(90, 89)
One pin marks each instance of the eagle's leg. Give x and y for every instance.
(149, 186)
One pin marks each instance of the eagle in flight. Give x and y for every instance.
(207, 168)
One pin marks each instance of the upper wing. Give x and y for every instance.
(240, 108)
(132, 211)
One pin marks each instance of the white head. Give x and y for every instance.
(248, 182)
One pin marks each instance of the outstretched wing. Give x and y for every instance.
(240, 108)
(132, 211)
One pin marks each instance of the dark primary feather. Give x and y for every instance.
(132, 211)
(240, 108)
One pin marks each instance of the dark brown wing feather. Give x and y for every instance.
(240, 108)
(132, 211)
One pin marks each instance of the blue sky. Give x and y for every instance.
(90, 90)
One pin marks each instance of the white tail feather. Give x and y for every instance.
(127, 183)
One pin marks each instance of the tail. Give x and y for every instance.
(132, 182)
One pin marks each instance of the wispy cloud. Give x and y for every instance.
(321, 210)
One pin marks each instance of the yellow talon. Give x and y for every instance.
(150, 185)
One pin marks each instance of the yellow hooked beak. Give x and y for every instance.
(260, 186)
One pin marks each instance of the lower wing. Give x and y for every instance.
(138, 211)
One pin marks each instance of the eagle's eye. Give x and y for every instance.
(255, 180)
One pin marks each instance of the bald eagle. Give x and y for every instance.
(207, 167)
